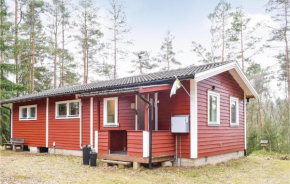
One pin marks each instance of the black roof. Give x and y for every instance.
(165, 77)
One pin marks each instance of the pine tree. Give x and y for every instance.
(54, 10)
(220, 32)
(90, 34)
(166, 56)
(142, 62)
(117, 19)
(8, 89)
(244, 36)
(280, 35)
(33, 29)
(219, 25)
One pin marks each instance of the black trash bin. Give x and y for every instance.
(93, 161)
(86, 155)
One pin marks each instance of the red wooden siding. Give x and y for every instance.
(103, 142)
(163, 143)
(222, 139)
(135, 143)
(65, 132)
(179, 104)
(126, 115)
(32, 131)
(86, 119)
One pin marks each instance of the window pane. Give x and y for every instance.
(61, 109)
(24, 113)
(32, 112)
(111, 111)
(74, 109)
(233, 111)
(213, 109)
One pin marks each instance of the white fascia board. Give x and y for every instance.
(212, 72)
(246, 81)
(97, 141)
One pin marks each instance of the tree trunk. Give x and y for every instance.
(242, 48)
(2, 37)
(16, 43)
(55, 51)
(62, 50)
(115, 49)
(32, 52)
(85, 49)
(223, 39)
(287, 62)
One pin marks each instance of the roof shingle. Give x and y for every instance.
(133, 81)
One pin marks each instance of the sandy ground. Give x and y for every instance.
(25, 167)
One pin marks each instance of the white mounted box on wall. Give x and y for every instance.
(180, 124)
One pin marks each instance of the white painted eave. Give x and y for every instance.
(237, 74)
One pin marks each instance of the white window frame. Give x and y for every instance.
(237, 110)
(28, 107)
(67, 109)
(105, 121)
(217, 95)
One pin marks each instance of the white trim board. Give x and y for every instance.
(145, 144)
(237, 74)
(193, 119)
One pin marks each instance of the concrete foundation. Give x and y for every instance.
(166, 164)
(208, 160)
(34, 149)
(136, 165)
(65, 152)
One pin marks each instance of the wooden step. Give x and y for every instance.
(116, 162)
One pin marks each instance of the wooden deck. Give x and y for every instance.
(143, 160)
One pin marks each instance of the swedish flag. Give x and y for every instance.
(176, 85)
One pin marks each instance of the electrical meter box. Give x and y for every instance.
(180, 124)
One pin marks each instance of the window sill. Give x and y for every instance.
(67, 117)
(27, 119)
(233, 125)
(214, 125)
(108, 126)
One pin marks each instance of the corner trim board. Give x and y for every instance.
(145, 144)
(193, 119)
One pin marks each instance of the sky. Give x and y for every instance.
(186, 19)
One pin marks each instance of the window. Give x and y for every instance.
(28, 112)
(234, 111)
(213, 108)
(111, 111)
(67, 109)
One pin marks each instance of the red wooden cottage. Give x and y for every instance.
(134, 119)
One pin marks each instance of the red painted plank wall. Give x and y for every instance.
(86, 121)
(163, 143)
(179, 104)
(126, 115)
(103, 142)
(135, 143)
(221, 139)
(65, 132)
(32, 131)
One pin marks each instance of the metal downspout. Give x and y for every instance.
(150, 127)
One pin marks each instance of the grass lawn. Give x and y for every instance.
(24, 167)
